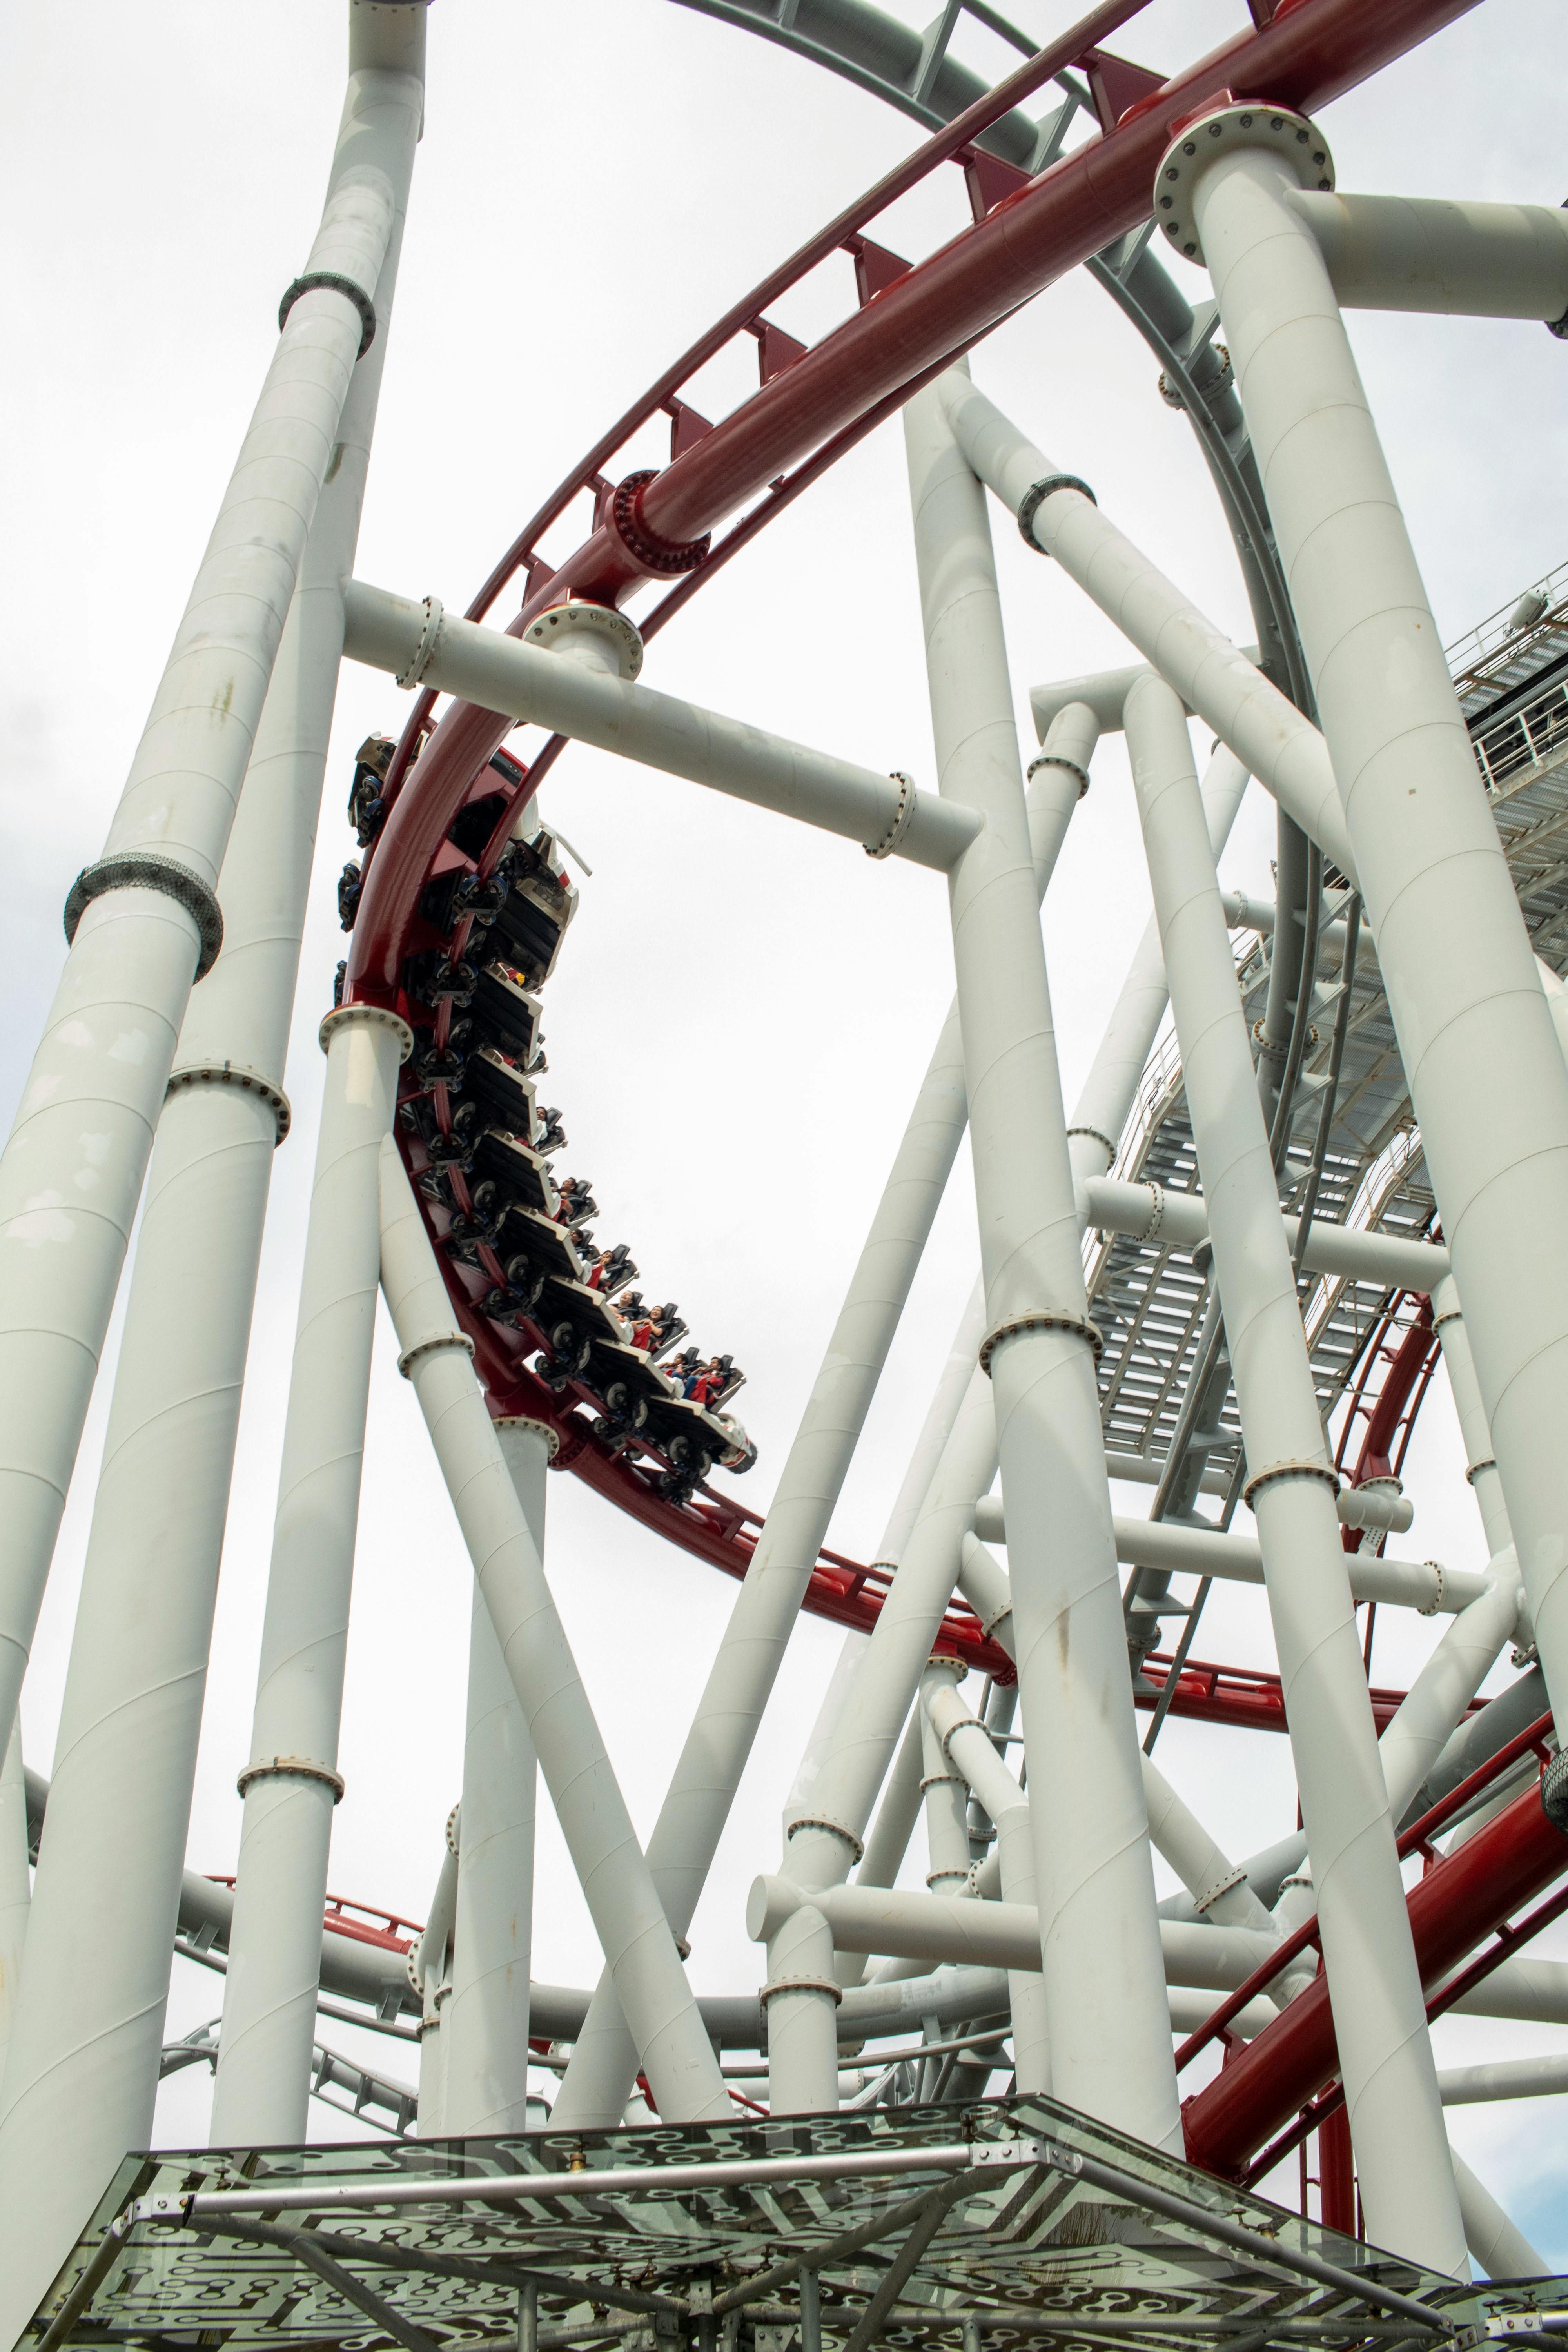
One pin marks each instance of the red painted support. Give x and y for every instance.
(1336, 2174)
(1468, 1896)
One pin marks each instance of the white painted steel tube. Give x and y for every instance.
(1499, 2245)
(902, 1922)
(1371, 1506)
(944, 1789)
(1505, 2078)
(71, 1174)
(1487, 1075)
(485, 2029)
(497, 672)
(1439, 254)
(969, 1744)
(430, 1965)
(617, 1884)
(1480, 1470)
(15, 1884)
(1215, 679)
(290, 1784)
(1110, 2027)
(1424, 1720)
(801, 1993)
(1112, 1206)
(125, 1762)
(1219, 1891)
(1191, 1551)
(680, 1851)
(1111, 1089)
(1379, 2014)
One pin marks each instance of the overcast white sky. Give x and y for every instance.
(743, 1010)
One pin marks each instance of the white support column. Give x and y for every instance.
(430, 1966)
(623, 1901)
(1220, 1890)
(944, 1789)
(1104, 1983)
(691, 1820)
(125, 1760)
(1391, 2084)
(968, 1744)
(485, 2032)
(1480, 1463)
(15, 1884)
(1499, 2245)
(144, 918)
(1437, 1698)
(1487, 1075)
(291, 1783)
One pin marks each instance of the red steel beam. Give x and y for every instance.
(1466, 1898)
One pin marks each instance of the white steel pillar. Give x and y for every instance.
(125, 1762)
(15, 1884)
(1487, 1075)
(1110, 2032)
(691, 1819)
(145, 920)
(1480, 1463)
(1380, 2021)
(658, 2004)
(430, 1966)
(485, 2031)
(291, 1783)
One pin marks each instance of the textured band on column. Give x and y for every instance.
(234, 1074)
(1055, 759)
(1330, 1477)
(427, 1346)
(547, 1430)
(291, 1768)
(902, 815)
(435, 613)
(1035, 497)
(1042, 1318)
(1095, 1136)
(332, 282)
(140, 869)
(834, 1829)
(802, 1984)
(1487, 1461)
(370, 1016)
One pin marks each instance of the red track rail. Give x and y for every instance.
(812, 405)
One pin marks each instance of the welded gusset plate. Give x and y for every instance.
(1075, 2264)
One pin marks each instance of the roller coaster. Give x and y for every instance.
(1228, 1276)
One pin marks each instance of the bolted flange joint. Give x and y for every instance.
(1035, 497)
(1297, 140)
(556, 629)
(332, 282)
(662, 559)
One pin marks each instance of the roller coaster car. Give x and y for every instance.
(577, 1204)
(531, 919)
(545, 1245)
(371, 762)
(502, 1088)
(507, 1010)
(615, 1272)
(519, 1171)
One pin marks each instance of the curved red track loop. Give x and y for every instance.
(805, 415)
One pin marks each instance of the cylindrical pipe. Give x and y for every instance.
(945, 1789)
(486, 2025)
(1437, 1698)
(1379, 2015)
(1487, 1075)
(1480, 1470)
(617, 1886)
(692, 1817)
(1115, 1206)
(1267, 734)
(886, 815)
(1220, 1890)
(1182, 1550)
(71, 1174)
(1500, 2247)
(968, 1743)
(800, 1999)
(130, 1717)
(1434, 254)
(430, 1966)
(15, 1886)
(291, 1783)
(1105, 1992)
